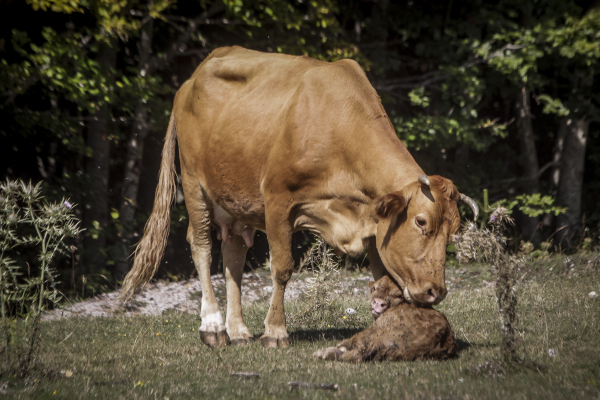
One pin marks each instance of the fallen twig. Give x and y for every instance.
(295, 384)
(245, 375)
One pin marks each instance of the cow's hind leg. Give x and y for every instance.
(212, 331)
(234, 257)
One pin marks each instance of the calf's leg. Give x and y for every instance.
(339, 354)
(234, 257)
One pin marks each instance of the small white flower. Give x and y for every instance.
(67, 204)
(552, 352)
(350, 311)
(593, 295)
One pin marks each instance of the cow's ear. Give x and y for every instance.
(395, 292)
(390, 204)
(371, 284)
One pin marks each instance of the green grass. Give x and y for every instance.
(148, 357)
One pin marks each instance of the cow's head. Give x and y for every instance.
(414, 226)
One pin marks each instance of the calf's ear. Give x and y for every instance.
(371, 284)
(390, 204)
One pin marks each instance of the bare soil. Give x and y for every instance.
(160, 296)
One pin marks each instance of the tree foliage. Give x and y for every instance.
(447, 73)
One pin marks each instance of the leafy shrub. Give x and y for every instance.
(30, 225)
(532, 205)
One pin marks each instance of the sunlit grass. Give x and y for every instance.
(162, 357)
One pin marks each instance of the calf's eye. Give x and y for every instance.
(421, 222)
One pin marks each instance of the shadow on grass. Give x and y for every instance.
(464, 345)
(327, 334)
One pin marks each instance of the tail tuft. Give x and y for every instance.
(150, 249)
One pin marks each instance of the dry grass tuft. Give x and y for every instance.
(489, 246)
(319, 307)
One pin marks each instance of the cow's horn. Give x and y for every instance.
(423, 179)
(471, 204)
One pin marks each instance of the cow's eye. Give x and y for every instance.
(421, 222)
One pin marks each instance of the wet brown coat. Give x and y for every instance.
(404, 332)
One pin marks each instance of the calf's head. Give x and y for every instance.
(384, 294)
(413, 228)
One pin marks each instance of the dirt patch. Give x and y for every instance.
(158, 297)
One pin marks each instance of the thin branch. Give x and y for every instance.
(180, 44)
(196, 52)
(546, 166)
(11, 95)
(296, 384)
(381, 43)
(434, 76)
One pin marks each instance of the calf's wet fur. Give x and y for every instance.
(401, 332)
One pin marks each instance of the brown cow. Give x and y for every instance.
(402, 331)
(281, 144)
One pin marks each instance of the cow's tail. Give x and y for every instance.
(150, 249)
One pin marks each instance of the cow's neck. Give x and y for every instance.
(345, 223)
(391, 166)
(343, 211)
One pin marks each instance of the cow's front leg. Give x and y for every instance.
(279, 234)
(234, 257)
(377, 268)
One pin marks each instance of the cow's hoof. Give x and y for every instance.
(222, 338)
(214, 339)
(242, 342)
(268, 342)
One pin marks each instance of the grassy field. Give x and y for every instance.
(162, 357)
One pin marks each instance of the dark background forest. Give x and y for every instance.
(500, 96)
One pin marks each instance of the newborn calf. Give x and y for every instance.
(401, 331)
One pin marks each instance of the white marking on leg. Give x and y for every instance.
(212, 323)
(407, 296)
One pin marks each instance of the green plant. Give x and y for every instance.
(30, 225)
(532, 205)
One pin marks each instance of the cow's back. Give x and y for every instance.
(244, 113)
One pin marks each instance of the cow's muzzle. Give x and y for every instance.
(427, 294)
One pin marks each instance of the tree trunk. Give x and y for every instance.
(530, 160)
(555, 171)
(133, 163)
(571, 179)
(558, 151)
(148, 65)
(95, 216)
(572, 161)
